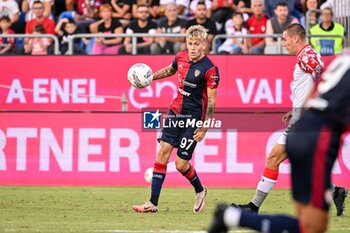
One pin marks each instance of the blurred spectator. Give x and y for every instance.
(235, 27)
(109, 25)
(171, 23)
(244, 7)
(327, 45)
(65, 28)
(341, 8)
(122, 10)
(193, 6)
(256, 24)
(270, 6)
(48, 24)
(87, 10)
(9, 8)
(221, 10)
(202, 19)
(7, 45)
(275, 25)
(312, 7)
(182, 6)
(70, 4)
(38, 45)
(143, 24)
(27, 7)
(154, 8)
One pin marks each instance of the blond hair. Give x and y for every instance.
(197, 32)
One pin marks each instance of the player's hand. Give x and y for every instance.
(286, 117)
(199, 134)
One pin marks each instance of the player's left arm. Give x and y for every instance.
(199, 134)
(212, 77)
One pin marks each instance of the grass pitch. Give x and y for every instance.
(108, 209)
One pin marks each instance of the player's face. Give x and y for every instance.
(289, 43)
(195, 49)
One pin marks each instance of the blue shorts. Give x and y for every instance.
(312, 147)
(177, 136)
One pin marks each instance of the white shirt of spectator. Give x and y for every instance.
(309, 66)
(30, 14)
(184, 3)
(231, 30)
(8, 8)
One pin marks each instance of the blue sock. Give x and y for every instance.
(192, 176)
(159, 172)
(269, 223)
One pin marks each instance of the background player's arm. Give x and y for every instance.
(164, 73)
(286, 117)
(200, 132)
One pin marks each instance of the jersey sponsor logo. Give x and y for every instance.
(184, 92)
(190, 84)
(151, 120)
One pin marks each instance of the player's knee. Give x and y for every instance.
(181, 166)
(162, 156)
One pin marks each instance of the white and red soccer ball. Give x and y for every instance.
(140, 75)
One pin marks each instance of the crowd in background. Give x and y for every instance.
(65, 18)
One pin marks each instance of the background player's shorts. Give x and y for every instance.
(312, 147)
(179, 137)
(283, 138)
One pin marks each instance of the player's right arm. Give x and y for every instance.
(164, 73)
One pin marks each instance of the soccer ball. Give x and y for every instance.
(140, 75)
(149, 175)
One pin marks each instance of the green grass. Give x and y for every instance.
(98, 209)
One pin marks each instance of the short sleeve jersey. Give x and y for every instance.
(308, 67)
(194, 78)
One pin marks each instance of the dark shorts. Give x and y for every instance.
(177, 136)
(312, 147)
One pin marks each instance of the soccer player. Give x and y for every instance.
(308, 67)
(196, 98)
(312, 145)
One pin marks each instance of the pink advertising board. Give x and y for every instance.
(70, 130)
(113, 149)
(97, 83)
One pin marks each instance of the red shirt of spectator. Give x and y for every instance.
(38, 10)
(257, 26)
(48, 24)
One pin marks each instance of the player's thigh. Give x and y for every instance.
(312, 219)
(276, 156)
(170, 134)
(186, 144)
(164, 152)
